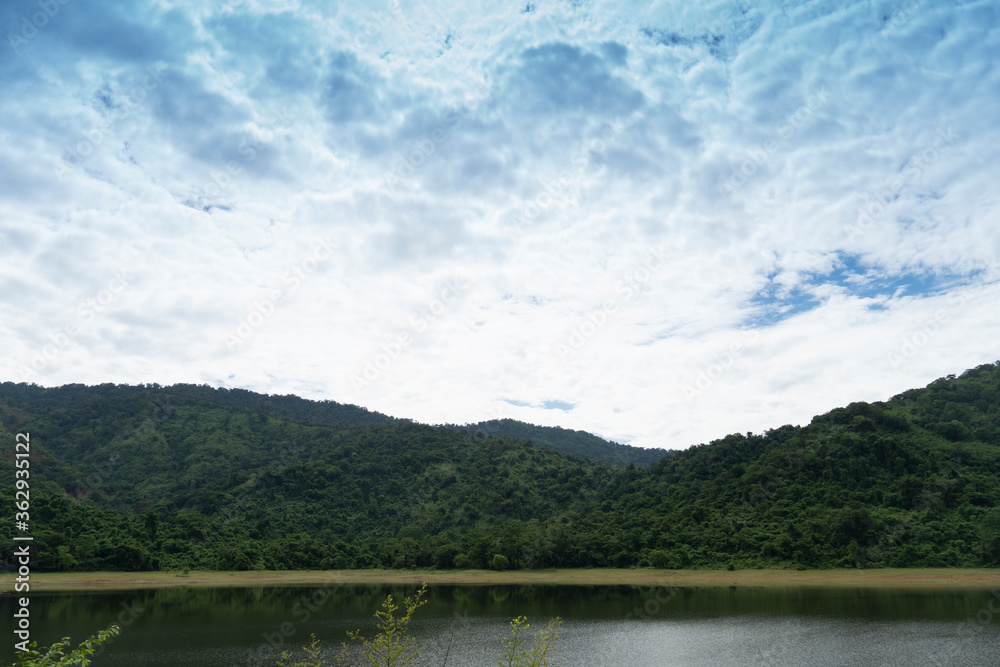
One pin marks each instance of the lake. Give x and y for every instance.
(602, 625)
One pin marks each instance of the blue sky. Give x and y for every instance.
(658, 222)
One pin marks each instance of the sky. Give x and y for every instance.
(659, 222)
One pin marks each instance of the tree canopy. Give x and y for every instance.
(151, 477)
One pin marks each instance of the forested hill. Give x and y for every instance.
(78, 397)
(172, 477)
(566, 441)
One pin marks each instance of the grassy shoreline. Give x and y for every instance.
(931, 579)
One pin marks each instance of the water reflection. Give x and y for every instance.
(603, 625)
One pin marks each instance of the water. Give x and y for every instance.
(615, 626)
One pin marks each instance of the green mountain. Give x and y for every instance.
(78, 396)
(566, 441)
(152, 477)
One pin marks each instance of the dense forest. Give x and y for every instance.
(577, 443)
(151, 477)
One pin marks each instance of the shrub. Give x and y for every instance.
(541, 653)
(393, 646)
(56, 655)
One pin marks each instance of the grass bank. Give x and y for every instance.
(937, 578)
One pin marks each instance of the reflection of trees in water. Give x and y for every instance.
(357, 601)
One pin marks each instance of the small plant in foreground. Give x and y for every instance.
(393, 646)
(312, 658)
(56, 654)
(542, 651)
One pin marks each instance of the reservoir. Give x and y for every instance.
(464, 626)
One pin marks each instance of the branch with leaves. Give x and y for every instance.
(57, 653)
(394, 646)
(541, 652)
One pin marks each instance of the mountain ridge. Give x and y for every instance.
(151, 477)
(568, 441)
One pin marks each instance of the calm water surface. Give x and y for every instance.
(602, 625)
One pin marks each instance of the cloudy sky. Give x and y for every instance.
(660, 222)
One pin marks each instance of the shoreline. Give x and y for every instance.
(939, 579)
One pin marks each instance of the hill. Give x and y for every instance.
(566, 441)
(79, 397)
(152, 477)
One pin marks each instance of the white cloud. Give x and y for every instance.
(787, 162)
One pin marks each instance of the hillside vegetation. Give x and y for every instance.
(566, 441)
(151, 477)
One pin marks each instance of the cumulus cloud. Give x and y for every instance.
(655, 222)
